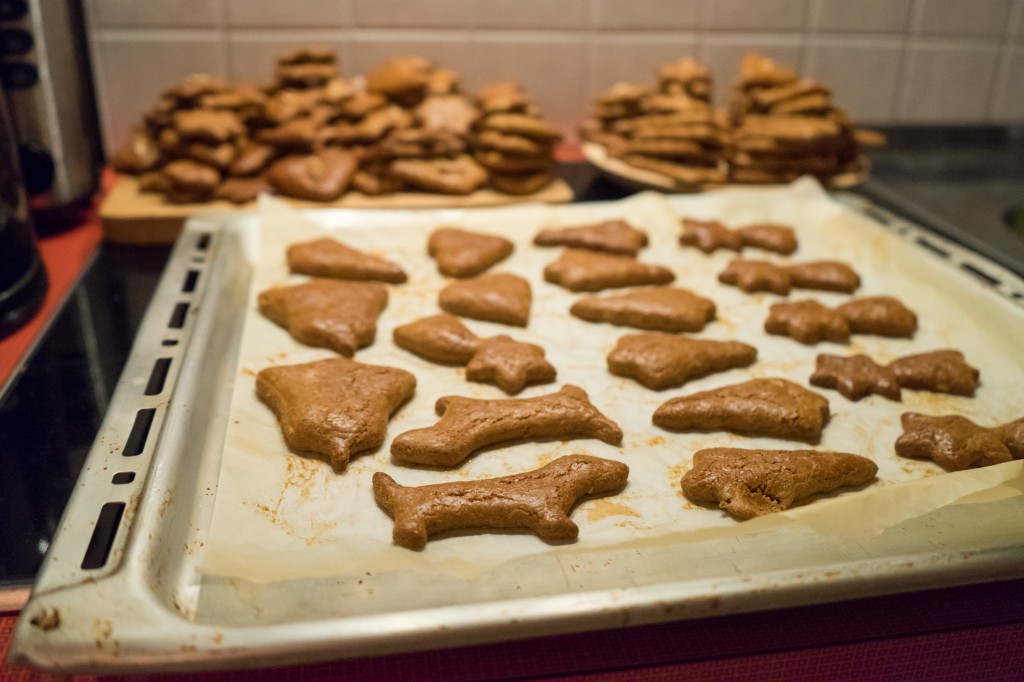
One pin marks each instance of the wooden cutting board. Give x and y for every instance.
(133, 217)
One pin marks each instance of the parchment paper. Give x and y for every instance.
(287, 520)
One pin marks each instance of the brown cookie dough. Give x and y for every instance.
(759, 407)
(204, 125)
(440, 338)
(855, 376)
(659, 361)
(578, 270)
(539, 500)
(521, 184)
(610, 236)
(769, 237)
(808, 322)
(709, 236)
(461, 175)
(317, 177)
(756, 275)
(510, 365)
(461, 253)
(335, 407)
(665, 309)
(327, 313)
(241, 190)
(468, 425)
(941, 371)
(326, 257)
(499, 297)
(879, 315)
(824, 276)
(749, 483)
(956, 443)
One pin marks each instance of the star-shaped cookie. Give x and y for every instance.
(328, 257)
(498, 297)
(327, 313)
(578, 270)
(808, 322)
(610, 236)
(956, 443)
(335, 407)
(460, 253)
(855, 376)
(762, 407)
(659, 361)
(509, 364)
(667, 309)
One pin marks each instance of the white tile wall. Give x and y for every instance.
(886, 60)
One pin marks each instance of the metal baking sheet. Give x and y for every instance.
(295, 563)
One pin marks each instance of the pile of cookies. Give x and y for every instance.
(778, 127)
(671, 129)
(786, 126)
(313, 135)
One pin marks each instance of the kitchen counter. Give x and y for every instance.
(52, 409)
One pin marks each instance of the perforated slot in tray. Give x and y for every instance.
(140, 437)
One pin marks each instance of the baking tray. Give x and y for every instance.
(121, 588)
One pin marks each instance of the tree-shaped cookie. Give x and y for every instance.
(539, 500)
(749, 483)
(667, 309)
(759, 407)
(335, 407)
(326, 257)
(579, 270)
(610, 236)
(498, 297)
(461, 253)
(660, 361)
(327, 313)
(469, 424)
(956, 443)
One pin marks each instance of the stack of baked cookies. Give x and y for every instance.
(671, 129)
(778, 127)
(313, 135)
(786, 126)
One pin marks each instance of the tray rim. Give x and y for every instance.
(225, 646)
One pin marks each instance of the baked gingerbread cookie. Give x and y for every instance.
(509, 364)
(468, 425)
(879, 315)
(539, 500)
(855, 376)
(579, 270)
(659, 361)
(759, 407)
(610, 236)
(335, 407)
(940, 371)
(711, 235)
(326, 257)
(327, 313)
(756, 275)
(461, 253)
(749, 483)
(439, 338)
(809, 322)
(497, 297)
(956, 443)
(667, 309)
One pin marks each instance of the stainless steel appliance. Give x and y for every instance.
(44, 69)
